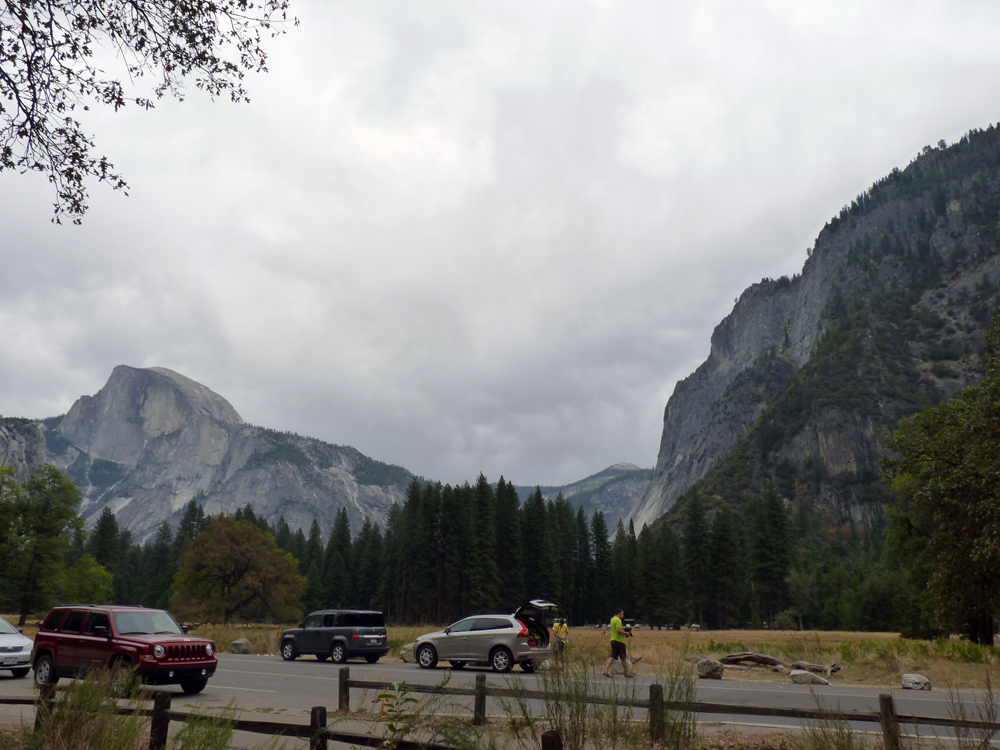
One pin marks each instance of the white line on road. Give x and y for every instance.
(249, 690)
(277, 674)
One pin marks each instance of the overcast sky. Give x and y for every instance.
(472, 236)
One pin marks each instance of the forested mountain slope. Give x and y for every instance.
(886, 318)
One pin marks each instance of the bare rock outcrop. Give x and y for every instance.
(22, 446)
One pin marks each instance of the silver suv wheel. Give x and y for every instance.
(501, 660)
(427, 656)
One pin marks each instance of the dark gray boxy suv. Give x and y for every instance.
(339, 634)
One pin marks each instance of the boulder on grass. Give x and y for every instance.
(240, 646)
(780, 669)
(915, 682)
(710, 669)
(406, 653)
(802, 677)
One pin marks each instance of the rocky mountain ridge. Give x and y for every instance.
(885, 318)
(612, 491)
(151, 440)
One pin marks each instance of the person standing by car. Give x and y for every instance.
(618, 648)
(561, 632)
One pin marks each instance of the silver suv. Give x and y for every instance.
(497, 640)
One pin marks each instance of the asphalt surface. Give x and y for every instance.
(268, 688)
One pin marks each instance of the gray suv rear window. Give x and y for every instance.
(361, 620)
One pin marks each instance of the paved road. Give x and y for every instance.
(268, 686)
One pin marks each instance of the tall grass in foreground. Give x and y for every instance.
(983, 710)
(85, 717)
(568, 690)
(89, 715)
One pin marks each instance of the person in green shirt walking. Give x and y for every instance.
(618, 648)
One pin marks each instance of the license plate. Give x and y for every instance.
(374, 641)
(9, 660)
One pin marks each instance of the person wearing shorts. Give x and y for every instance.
(618, 648)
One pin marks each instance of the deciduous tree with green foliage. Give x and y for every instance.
(87, 581)
(44, 519)
(232, 567)
(944, 472)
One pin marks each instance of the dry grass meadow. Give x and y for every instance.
(865, 658)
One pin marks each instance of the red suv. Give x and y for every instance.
(78, 638)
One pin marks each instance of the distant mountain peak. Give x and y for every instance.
(152, 440)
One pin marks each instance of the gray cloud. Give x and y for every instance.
(471, 237)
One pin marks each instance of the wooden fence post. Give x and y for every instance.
(317, 727)
(344, 692)
(479, 713)
(889, 720)
(159, 722)
(44, 704)
(656, 712)
(551, 740)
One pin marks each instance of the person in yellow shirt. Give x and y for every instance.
(618, 648)
(561, 632)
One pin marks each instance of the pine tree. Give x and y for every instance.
(367, 553)
(311, 565)
(604, 585)
(335, 573)
(103, 542)
(452, 563)
(484, 574)
(697, 570)
(283, 535)
(564, 537)
(623, 577)
(650, 584)
(509, 547)
(770, 548)
(157, 570)
(391, 566)
(127, 579)
(729, 571)
(583, 576)
(192, 523)
(541, 573)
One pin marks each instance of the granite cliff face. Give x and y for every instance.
(898, 286)
(152, 440)
(22, 445)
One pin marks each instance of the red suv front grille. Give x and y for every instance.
(187, 651)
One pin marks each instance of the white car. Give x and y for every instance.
(15, 650)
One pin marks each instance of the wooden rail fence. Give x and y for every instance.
(319, 734)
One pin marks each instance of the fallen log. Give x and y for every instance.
(764, 660)
(753, 658)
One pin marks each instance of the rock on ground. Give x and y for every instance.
(802, 677)
(912, 681)
(710, 669)
(240, 646)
